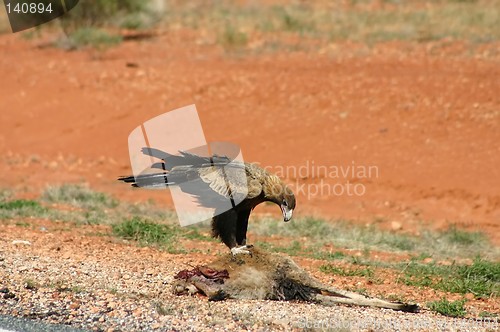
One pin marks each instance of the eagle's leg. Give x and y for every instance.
(241, 234)
(224, 226)
(231, 227)
(241, 227)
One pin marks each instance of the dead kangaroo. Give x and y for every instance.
(268, 276)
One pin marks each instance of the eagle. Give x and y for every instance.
(206, 178)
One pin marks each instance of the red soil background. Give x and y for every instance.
(426, 115)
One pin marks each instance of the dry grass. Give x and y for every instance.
(418, 21)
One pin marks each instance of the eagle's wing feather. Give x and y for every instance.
(229, 181)
(213, 181)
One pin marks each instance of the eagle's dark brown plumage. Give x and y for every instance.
(210, 174)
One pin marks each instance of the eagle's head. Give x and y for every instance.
(278, 192)
(287, 204)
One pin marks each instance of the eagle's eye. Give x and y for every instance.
(285, 203)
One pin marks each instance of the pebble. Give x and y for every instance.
(21, 242)
(396, 225)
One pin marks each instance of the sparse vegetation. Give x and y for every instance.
(232, 38)
(164, 309)
(90, 207)
(95, 37)
(473, 21)
(344, 234)
(148, 224)
(147, 232)
(354, 272)
(235, 26)
(482, 278)
(20, 208)
(5, 194)
(329, 256)
(293, 249)
(144, 231)
(31, 284)
(101, 13)
(447, 308)
(460, 237)
(78, 196)
(94, 23)
(486, 314)
(20, 204)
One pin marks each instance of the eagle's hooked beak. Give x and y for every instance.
(287, 213)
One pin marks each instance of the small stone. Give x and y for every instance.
(74, 305)
(396, 225)
(9, 295)
(445, 263)
(53, 165)
(21, 242)
(101, 303)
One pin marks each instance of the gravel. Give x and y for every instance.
(9, 324)
(97, 283)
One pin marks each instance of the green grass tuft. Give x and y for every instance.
(21, 208)
(232, 38)
(294, 248)
(358, 272)
(20, 204)
(447, 308)
(481, 278)
(147, 232)
(460, 237)
(487, 314)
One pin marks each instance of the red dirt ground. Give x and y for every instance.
(427, 116)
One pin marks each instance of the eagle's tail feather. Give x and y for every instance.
(158, 180)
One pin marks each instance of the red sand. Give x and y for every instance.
(426, 116)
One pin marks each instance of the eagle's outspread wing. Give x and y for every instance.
(195, 175)
(216, 180)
